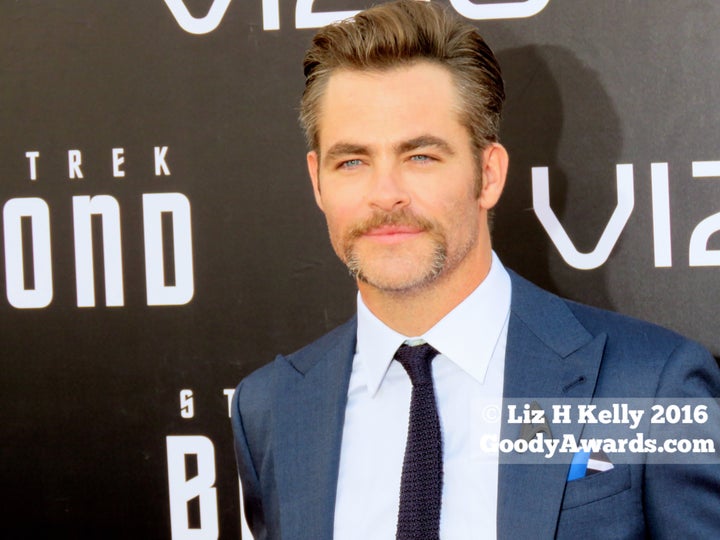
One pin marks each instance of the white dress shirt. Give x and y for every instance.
(468, 378)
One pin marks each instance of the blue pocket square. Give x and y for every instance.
(585, 464)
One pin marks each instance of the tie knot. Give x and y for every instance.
(416, 361)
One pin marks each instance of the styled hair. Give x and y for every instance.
(401, 33)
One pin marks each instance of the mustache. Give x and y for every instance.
(379, 218)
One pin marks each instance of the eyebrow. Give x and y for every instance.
(344, 148)
(422, 141)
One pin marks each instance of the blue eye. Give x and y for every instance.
(420, 158)
(350, 164)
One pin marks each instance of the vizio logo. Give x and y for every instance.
(699, 254)
(305, 17)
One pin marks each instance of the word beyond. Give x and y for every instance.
(29, 283)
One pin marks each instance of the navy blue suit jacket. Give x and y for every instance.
(288, 418)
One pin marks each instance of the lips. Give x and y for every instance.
(393, 233)
(393, 229)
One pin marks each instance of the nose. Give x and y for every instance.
(388, 192)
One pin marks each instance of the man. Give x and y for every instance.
(348, 437)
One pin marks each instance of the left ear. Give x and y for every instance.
(495, 166)
(313, 165)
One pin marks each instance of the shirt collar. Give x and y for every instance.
(467, 335)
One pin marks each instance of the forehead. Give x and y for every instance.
(388, 105)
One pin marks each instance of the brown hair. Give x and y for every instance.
(399, 33)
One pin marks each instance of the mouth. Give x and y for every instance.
(391, 234)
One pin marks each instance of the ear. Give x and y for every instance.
(494, 173)
(313, 164)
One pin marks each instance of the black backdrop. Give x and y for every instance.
(204, 124)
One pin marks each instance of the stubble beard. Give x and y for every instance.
(428, 270)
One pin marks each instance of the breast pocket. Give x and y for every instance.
(597, 487)
(603, 505)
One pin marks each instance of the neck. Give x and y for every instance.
(414, 312)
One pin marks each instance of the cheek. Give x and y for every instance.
(338, 222)
(341, 211)
(461, 218)
(449, 208)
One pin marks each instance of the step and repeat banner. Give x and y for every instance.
(160, 238)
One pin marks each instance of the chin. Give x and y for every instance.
(395, 279)
(397, 270)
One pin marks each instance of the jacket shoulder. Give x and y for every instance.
(639, 356)
(256, 389)
(538, 306)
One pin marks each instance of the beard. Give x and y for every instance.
(397, 268)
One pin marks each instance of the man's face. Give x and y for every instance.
(395, 176)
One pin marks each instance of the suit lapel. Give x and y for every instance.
(549, 357)
(311, 396)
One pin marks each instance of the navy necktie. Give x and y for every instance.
(421, 482)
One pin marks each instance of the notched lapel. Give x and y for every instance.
(550, 357)
(310, 403)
